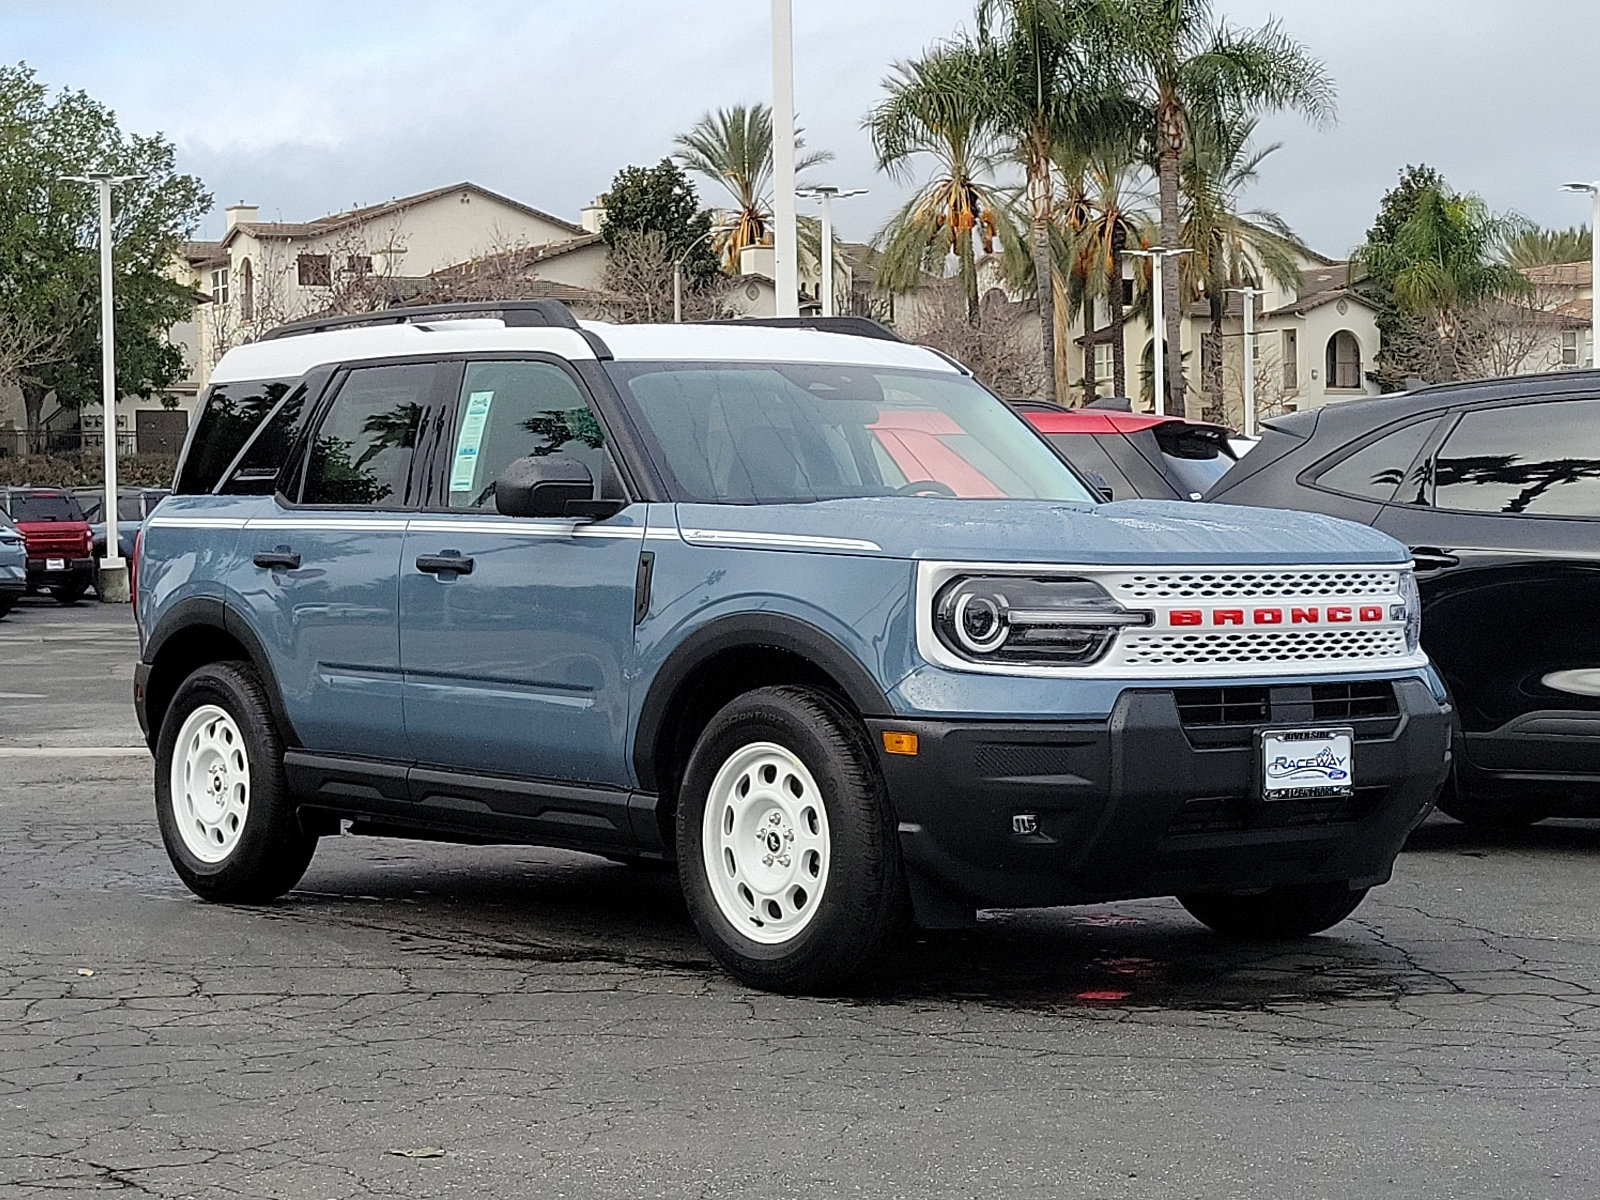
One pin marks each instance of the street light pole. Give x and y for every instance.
(677, 275)
(1157, 256)
(1249, 294)
(1593, 189)
(826, 194)
(113, 570)
(785, 255)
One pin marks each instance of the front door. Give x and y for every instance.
(517, 663)
(1506, 536)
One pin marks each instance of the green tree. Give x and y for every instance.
(1046, 91)
(1535, 247)
(733, 147)
(1183, 67)
(49, 237)
(1233, 247)
(660, 199)
(935, 108)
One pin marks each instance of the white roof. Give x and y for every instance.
(290, 357)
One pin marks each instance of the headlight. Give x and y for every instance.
(1413, 606)
(1023, 619)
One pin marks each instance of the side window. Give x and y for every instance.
(1376, 471)
(257, 470)
(362, 450)
(227, 419)
(512, 410)
(1087, 454)
(1539, 460)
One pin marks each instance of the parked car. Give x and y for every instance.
(1495, 486)
(13, 564)
(134, 505)
(812, 614)
(57, 539)
(1136, 455)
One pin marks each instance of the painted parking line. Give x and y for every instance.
(23, 696)
(74, 752)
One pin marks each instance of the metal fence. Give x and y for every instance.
(17, 443)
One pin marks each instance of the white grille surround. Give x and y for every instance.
(1214, 622)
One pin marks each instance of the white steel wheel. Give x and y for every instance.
(765, 843)
(210, 780)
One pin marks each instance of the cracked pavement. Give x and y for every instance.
(549, 1022)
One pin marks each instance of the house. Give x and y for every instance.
(1563, 293)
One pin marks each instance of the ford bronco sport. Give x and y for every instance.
(809, 612)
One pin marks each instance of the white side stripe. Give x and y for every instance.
(777, 541)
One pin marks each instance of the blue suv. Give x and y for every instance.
(807, 611)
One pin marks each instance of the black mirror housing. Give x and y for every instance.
(542, 487)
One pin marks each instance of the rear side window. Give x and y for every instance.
(1194, 458)
(1376, 471)
(228, 417)
(265, 453)
(1540, 460)
(1085, 452)
(360, 455)
(44, 506)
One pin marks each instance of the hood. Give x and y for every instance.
(1128, 533)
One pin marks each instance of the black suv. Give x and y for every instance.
(1496, 488)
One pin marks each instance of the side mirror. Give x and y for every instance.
(542, 487)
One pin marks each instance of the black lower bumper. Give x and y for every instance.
(1147, 803)
(71, 571)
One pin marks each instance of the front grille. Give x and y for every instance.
(1229, 814)
(1224, 717)
(1206, 708)
(1341, 702)
(1257, 585)
(1262, 647)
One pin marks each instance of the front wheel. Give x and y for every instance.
(222, 801)
(788, 850)
(1277, 913)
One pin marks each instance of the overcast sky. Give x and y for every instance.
(305, 107)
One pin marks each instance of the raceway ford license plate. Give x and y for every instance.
(1298, 764)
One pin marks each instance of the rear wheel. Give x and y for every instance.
(70, 593)
(787, 847)
(1277, 913)
(222, 802)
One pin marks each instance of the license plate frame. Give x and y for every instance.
(1323, 768)
(55, 564)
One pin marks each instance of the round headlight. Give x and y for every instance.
(1029, 619)
(980, 622)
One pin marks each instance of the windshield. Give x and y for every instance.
(45, 506)
(771, 433)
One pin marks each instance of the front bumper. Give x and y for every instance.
(13, 579)
(1148, 803)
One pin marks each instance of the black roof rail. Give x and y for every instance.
(515, 313)
(852, 326)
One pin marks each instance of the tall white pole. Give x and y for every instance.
(1594, 275)
(108, 370)
(1157, 261)
(785, 254)
(1250, 363)
(827, 254)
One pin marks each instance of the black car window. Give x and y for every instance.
(361, 452)
(1085, 452)
(44, 506)
(1376, 471)
(256, 471)
(1539, 460)
(512, 410)
(1194, 457)
(229, 415)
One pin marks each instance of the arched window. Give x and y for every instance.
(247, 291)
(1344, 361)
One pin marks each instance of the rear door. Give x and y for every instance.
(1504, 522)
(518, 663)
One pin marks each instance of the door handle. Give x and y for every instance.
(1429, 558)
(448, 563)
(282, 556)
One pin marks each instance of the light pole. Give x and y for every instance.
(1157, 255)
(113, 571)
(827, 194)
(1249, 294)
(1594, 258)
(677, 275)
(785, 257)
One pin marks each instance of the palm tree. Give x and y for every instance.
(1045, 91)
(1102, 215)
(1232, 247)
(1183, 66)
(936, 107)
(1537, 247)
(733, 146)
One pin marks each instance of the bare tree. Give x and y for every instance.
(996, 349)
(638, 281)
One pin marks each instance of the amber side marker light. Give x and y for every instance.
(899, 743)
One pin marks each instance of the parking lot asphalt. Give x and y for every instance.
(433, 1021)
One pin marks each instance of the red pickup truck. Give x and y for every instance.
(59, 544)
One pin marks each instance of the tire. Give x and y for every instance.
(7, 603)
(1486, 812)
(783, 796)
(241, 843)
(1277, 913)
(69, 593)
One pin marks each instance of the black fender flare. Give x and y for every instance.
(774, 630)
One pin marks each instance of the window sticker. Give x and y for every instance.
(468, 440)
